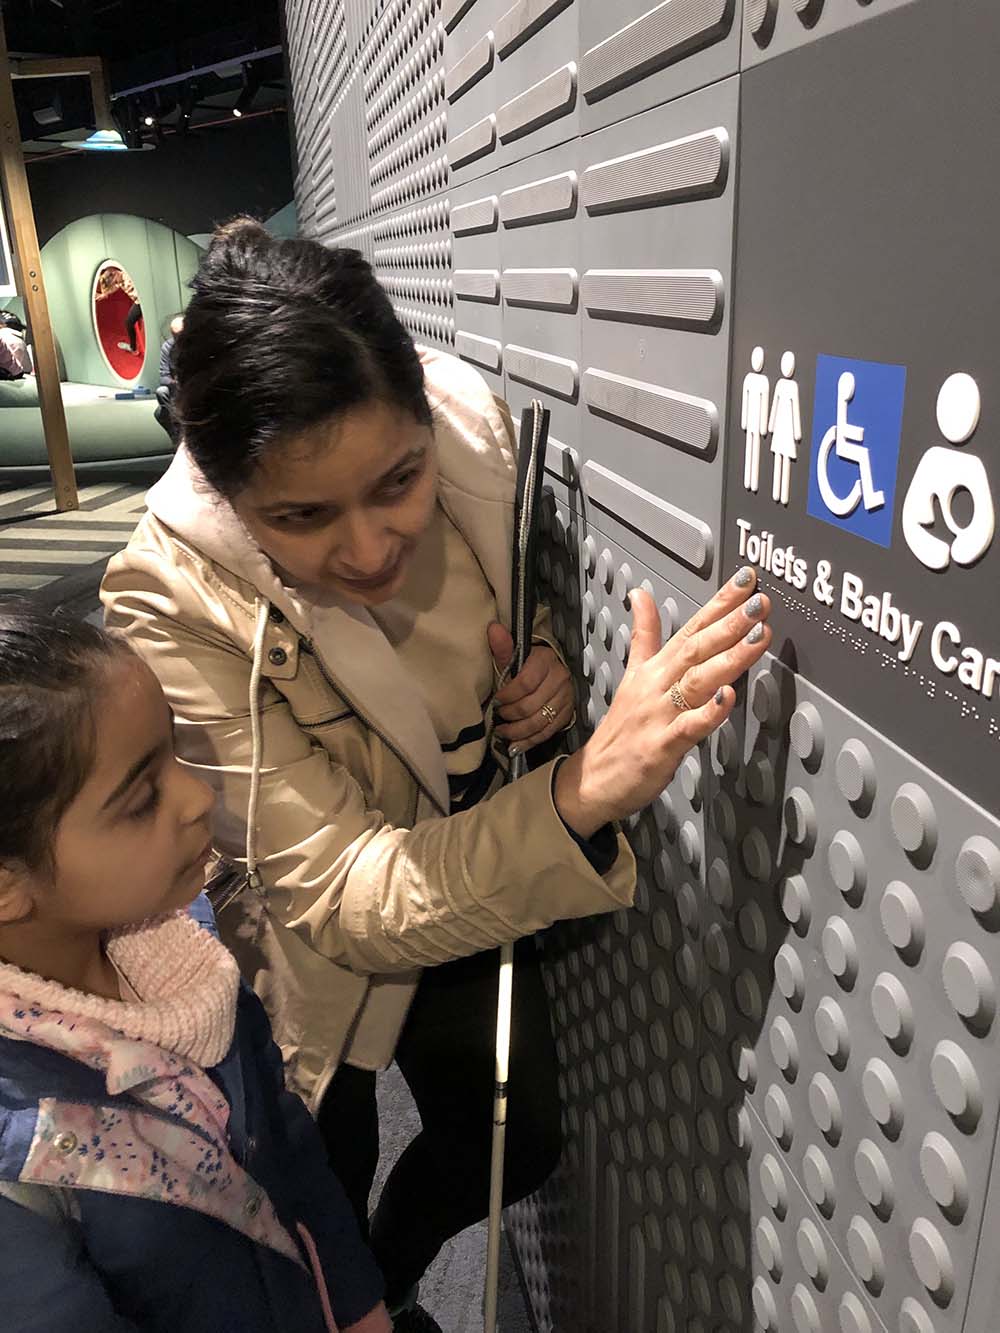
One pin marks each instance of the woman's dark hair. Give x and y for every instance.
(11, 321)
(48, 667)
(279, 336)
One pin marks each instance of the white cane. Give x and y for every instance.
(534, 431)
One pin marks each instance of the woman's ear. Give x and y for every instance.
(17, 898)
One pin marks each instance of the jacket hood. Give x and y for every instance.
(477, 476)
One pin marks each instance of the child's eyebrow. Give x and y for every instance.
(136, 771)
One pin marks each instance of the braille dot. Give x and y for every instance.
(977, 871)
(903, 920)
(804, 1312)
(831, 1029)
(944, 1176)
(913, 1318)
(760, 780)
(769, 1247)
(874, 1178)
(969, 986)
(796, 903)
(778, 1115)
(882, 1096)
(847, 866)
(812, 1252)
(790, 976)
(824, 1103)
(866, 1254)
(855, 772)
(931, 1260)
(819, 1180)
(893, 1011)
(840, 951)
(772, 1183)
(852, 1315)
(913, 820)
(800, 817)
(784, 1048)
(807, 735)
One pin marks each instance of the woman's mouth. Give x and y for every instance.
(376, 581)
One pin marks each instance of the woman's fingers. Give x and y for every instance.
(734, 616)
(701, 682)
(526, 705)
(540, 726)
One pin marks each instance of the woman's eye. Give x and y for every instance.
(300, 518)
(147, 805)
(402, 482)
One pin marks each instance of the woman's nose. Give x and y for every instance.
(365, 550)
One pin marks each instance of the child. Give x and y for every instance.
(154, 1172)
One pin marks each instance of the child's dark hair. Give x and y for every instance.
(279, 336)
(11, 321)
(48, 665)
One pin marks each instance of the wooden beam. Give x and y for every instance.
(28, 269)
(90, 67)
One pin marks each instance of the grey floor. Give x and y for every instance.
(453, 1288)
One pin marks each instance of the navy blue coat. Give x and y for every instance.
(121, 1263)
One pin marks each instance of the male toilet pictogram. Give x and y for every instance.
(753, 417)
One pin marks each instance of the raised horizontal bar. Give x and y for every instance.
(672, 529)
(483, 351)
(545, 200)
(666, 33)
(544, 288)
(689, 168)
(545, 101)
(691, 296)
(554, 373)
(671, 415)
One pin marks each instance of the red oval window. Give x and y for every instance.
(118, 321)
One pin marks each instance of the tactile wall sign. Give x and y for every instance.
(757, 296)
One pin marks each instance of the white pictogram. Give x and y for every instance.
(940, 475)
(847, 440)
(753, 417)
(785, 427)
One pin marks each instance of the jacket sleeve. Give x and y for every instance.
(372, 897)
(352, 1277)
(48, 1286)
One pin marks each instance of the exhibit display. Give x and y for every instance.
(118, 322)
(742, 252)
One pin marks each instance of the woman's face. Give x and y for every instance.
(345, 504)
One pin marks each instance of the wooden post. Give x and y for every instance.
(28, 268)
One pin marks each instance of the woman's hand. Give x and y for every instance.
(538, 702)
(645, 734)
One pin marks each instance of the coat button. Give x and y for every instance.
(277, 657)
(252, 1206)
(65, 1143)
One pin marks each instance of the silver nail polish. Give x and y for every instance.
(743, 577)
(719, 697)
(756, 634)
(754, 607)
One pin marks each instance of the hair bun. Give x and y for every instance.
(239, 233)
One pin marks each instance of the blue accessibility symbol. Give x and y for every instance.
(857, 422)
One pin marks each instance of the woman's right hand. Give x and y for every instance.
(638, 745)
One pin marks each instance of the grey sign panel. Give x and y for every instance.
(901, 299)
(771, 28)
(655, 340)
(637, 54)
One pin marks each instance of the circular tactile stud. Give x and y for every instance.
(623, 643)
(670, 617)
(765, 700)
(752, 927)
(831, 1029)
(807, 735)
(763, 1306)
(874, 1178)
(914, 821)
(913, 1318)
(969, 986)
(824, 1103)
(690, 776)
(944, 1175)
(852, 1315)
(892, 1011)
(749, 1001)
(729, 1296)
(714, 1010)
(606, 569)
(800, 817)
(717, 948)
(840, 951)
(724, 816)
(847, 866)
(605, 627)
(796, 902)
(756, 855)
(790, 976)
(804, 1312)
(778, 1115)
(605, 682)
(735, 1181)
(882, 1096)
(687, 906)
(784, 1048)
(760, 779)
(903, 920)
(624, 581)
(977, 871)
(589, 607)
(812, 1251)
(728, 747)
(689, 845)
(743, 1058)
(866, 1254)
(855, 770)
(720, 885)
(819, 1180)
(774, 1186)
(932, 1260)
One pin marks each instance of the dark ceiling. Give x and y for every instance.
(146, 46)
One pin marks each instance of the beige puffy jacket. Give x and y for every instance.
(363, 881)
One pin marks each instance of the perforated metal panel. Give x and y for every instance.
(779, 1069)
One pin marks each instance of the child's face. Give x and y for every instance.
(135, 841)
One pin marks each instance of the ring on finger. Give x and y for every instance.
(548, 712)
(677, 697)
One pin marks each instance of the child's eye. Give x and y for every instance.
(148, 803)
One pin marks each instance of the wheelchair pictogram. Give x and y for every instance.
(847, 438)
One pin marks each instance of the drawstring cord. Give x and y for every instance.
(256, 742)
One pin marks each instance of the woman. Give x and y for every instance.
(321, 585)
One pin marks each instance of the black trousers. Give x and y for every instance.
(131, 320)
(440, 1184)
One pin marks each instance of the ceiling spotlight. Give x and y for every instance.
(237, 112)
(149, 121)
